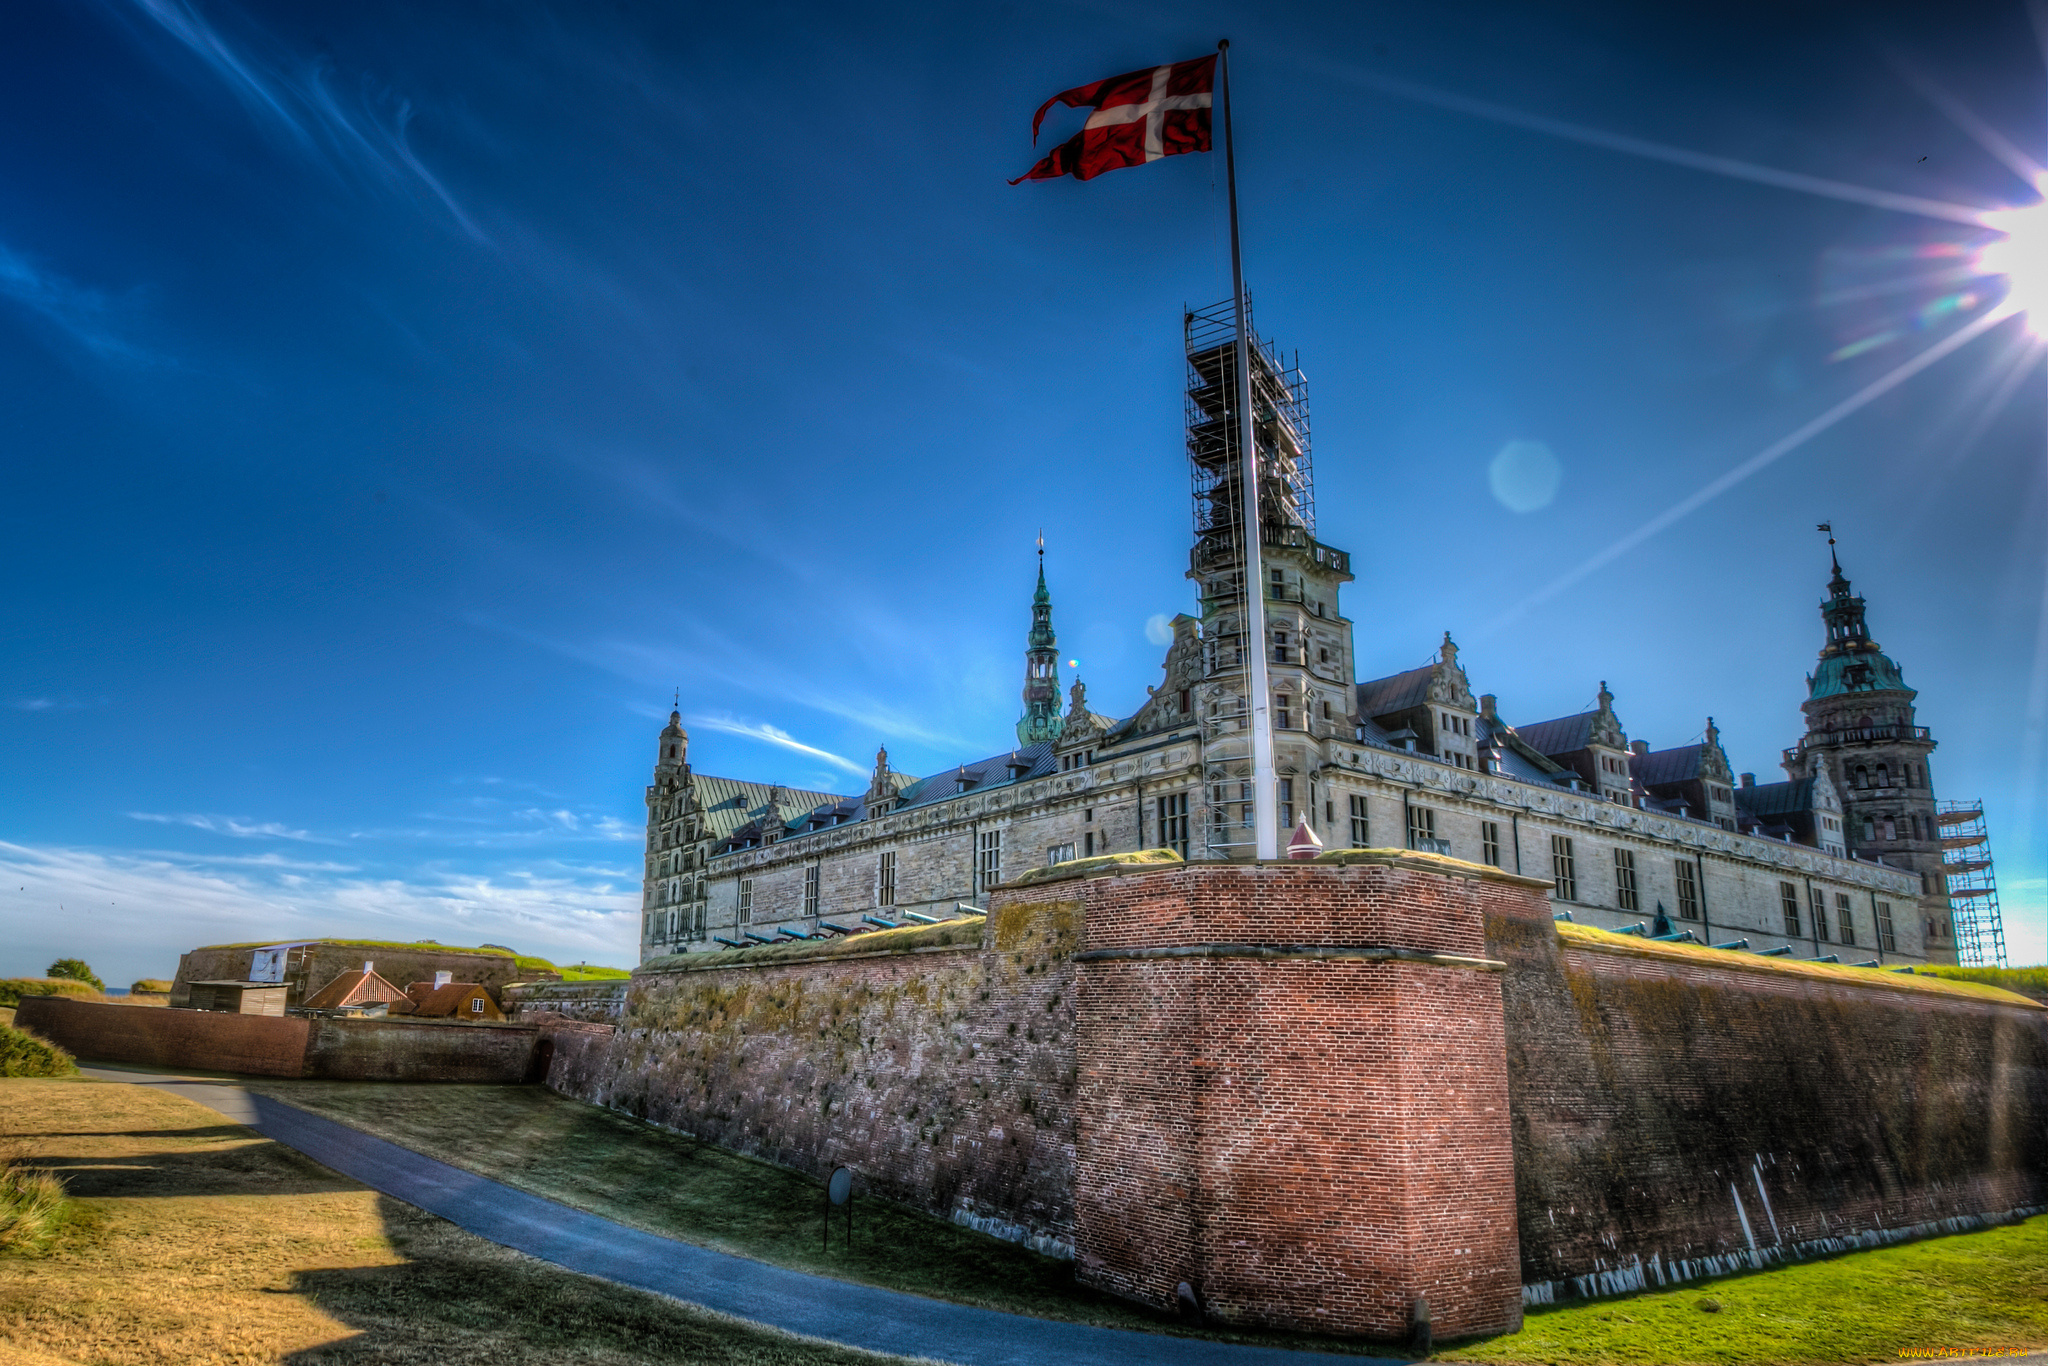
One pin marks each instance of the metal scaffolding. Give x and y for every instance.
(1972, 887)
(1287, 515)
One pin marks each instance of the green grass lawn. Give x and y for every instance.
(190, 1241)
(1972, 1292)
(623, 1169)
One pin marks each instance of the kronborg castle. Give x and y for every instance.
(1842, 857)
(1552, 1013)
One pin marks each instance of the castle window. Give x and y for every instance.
(1088, 844)
(1891, 828)
(1173, 824)
(1788, 902)
(1283, 712)
(811, 890)
(746, 901)
(1625, 880)
(1361, 823)
(1862, 776)
(1322, 656)
(988, 858)
(1817, 901)
(1280, 647)
(885, 879)
(1059, 853)
(1489, 842)
(1326, 709)
(1186, 703)
(1869, 830)
(1564, 868)
(1688, 889)
(1286, 796)
(1887, 940)
(1845, 923)
(1421, 826)
(1884, 776)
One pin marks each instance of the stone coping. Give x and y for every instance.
(948, 935)
(1166, 860)
(735, 961)
(1337, 953)
(1633, 946)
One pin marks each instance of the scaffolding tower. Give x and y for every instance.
(1972, 886)
(1287, 516)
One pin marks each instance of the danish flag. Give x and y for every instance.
(1139, 117)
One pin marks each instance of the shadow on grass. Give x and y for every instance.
(457, 1298)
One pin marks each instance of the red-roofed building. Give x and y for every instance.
(359, 993)
(452, 1001)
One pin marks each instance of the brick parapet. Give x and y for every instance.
(1307, 1141)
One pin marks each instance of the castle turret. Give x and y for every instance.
(1860, 731)
(1041, 720)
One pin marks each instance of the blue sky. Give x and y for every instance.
(399, 402)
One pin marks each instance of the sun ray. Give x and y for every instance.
(1995, 144)
(1653, 151)
(1770, 454)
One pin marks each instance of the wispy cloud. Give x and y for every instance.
(774, 735)
(365, 134)
(85, 316)
(236, 826)
(150, 906)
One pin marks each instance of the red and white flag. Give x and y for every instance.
(1139, 117)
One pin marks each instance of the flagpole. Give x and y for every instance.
(1265, 780)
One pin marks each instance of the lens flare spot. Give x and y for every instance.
(1525, 476)
(2020, 255)
(1159, 629)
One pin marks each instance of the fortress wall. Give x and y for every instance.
(942, 1073)
(1302, 1133)
(1676, 1106)
(258, 1045)
(599, 1002)
(419, 1050)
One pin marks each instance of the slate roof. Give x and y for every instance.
(357, 988)
(1396, 692)
(1767, 800)
(1661, 767)
(1565, 735)
(726, 804)
(1513, 763)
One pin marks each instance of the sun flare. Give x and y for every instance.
(2020, 255)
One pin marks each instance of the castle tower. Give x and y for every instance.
(1309, 666)
(1041, 721)
(672, 890)
(1860, 729)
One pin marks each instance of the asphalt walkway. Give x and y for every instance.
(814, 1306)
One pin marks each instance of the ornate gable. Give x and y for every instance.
(1447, 682)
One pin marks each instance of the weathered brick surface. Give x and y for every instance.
(418, 1050)
(259, 1045)
(1651, 1095)
(1308, 1143)
(945, 1078)
(267, 1046)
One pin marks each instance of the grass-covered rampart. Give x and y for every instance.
(1938, 981)
(12, 989)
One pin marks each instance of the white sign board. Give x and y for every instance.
(267, 965)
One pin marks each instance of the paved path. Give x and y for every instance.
(815, 1306)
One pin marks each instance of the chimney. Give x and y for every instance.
(1749, 780)
(369, 966)
(442, 979)
(1486, 707)
(1639, 748)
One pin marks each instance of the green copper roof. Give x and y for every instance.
(1847, 673)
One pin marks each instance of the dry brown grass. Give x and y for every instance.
(197, 1242)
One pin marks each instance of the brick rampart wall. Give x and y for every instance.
(418, 1050)
(267, 1046)
(1305, 1141)
(943, 1076)
(1660, 1101)
(259, 1045)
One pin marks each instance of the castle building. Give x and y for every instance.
(1839, 861)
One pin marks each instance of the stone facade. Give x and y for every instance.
(1413, 760)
